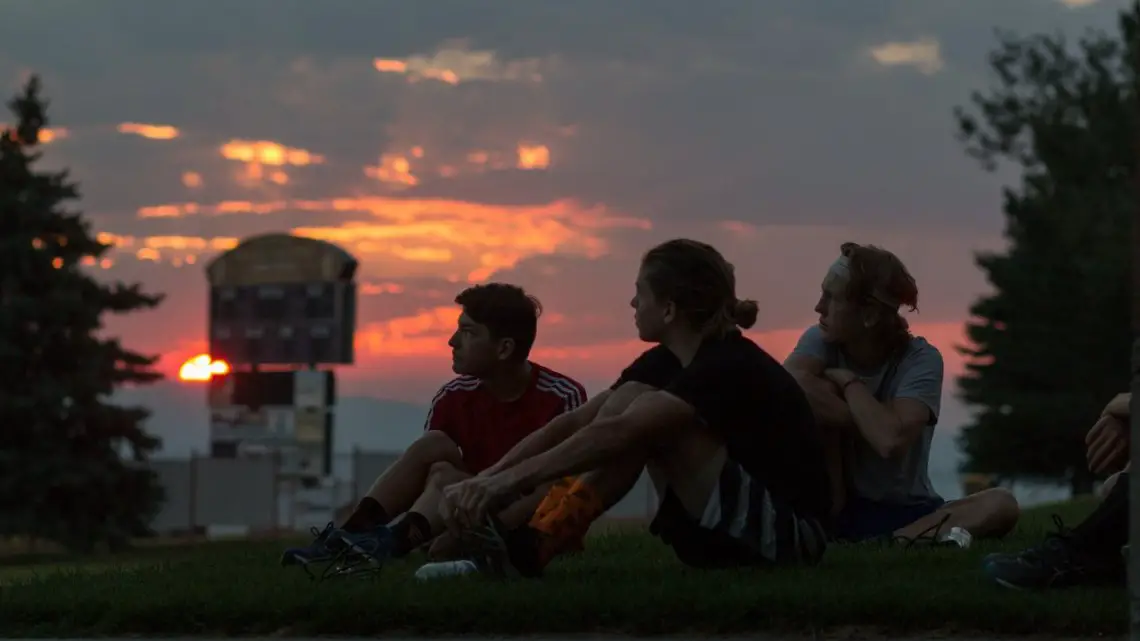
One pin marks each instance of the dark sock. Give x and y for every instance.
(1105, 531)
(411, 532)
(368, 514)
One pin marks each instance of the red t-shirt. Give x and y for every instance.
(485, 428)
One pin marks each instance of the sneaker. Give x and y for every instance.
(322, 550)
(374, 546)
(447, 570)
(933, 536)
(1058, 562)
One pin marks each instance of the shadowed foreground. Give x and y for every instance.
(626, 583)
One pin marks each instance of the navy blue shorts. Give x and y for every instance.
(864, 519)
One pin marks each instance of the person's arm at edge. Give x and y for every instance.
(559, 429)
(648, 416)
(1118, 407)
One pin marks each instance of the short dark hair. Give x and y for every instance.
(700, 282)
(507, 311)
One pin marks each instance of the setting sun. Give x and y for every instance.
(202, 368)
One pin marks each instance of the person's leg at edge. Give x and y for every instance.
(1090, 553)
(398, 488)
(988, 514)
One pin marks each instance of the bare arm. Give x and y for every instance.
(559, 429)
(649, 416)
(828, 406)
(889, 428)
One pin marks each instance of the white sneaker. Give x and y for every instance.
(957, 536)
(446, 569)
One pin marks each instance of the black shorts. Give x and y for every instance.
(743, 525)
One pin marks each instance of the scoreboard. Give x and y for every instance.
(279, 299)
(289, 412)
(280, 307)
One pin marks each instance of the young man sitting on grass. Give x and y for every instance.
(1090, 553)
(876, 390)
(725, 432)
(499, 398)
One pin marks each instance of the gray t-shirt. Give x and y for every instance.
(918, 375)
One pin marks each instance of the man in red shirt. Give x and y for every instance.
(499, 398)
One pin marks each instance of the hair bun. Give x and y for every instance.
(744, 313)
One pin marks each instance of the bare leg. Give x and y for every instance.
(404, 481)
(399, 486)
(987, 514)
(444, 544)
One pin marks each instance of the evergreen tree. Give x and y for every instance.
(63, 476)
(1050, 345)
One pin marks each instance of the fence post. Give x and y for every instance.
(192, 502)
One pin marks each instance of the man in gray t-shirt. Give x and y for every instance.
(876, 390)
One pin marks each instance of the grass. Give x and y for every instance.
(625, 582)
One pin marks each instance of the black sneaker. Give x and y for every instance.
(322, 550)
(1058, 562)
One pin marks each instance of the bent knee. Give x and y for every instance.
(443, 473)
(434, 446)
(1001, 507)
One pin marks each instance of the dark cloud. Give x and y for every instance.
(765, 112)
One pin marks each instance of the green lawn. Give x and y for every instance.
(625, 582)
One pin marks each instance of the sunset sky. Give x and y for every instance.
(546, 143)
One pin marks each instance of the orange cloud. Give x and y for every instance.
(47, 134)
(266, 152)
(192, 179)
(434, 237)
(152, 132)
(178, 250)
(394, 170)
(51, 134)
(424, 334)
(454, 64)
(255, 155)
(376, 289)
(533, 156)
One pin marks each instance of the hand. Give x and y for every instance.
(1107, 445)
(1118, 406)
(841, 377)
(466, 504)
